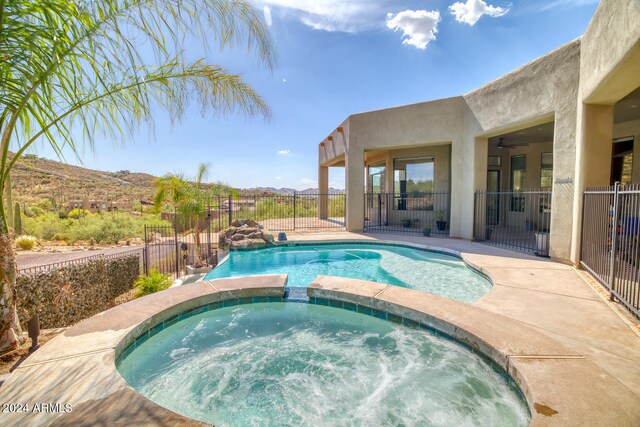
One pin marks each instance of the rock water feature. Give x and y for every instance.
(244, 234)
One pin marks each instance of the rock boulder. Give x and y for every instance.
(244, 234)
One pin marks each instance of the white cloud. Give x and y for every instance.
(419, 27)
(267, 15)
(331, 15)
(470, 11)
(308, 182)
(278, 178)
(284, 152)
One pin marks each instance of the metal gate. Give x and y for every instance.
(170, 251)
(610, 248)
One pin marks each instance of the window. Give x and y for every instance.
(546, 170)
(622, 160)
(414, 175)
(413, 183)
(518, 181)
(375, 178)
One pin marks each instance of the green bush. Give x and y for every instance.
(45, 204)
(32, 211)
(26, 243)
(105, 228)
(78, 213)
(154, 282)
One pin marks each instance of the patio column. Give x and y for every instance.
(593, 160)
(354, 171)
(323, 189)
(468, 174)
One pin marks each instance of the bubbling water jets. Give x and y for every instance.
(313, 365)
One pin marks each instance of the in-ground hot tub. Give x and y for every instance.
(430, 271)
(260, 361)
(78, 367)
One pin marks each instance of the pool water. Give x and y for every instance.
(288, 364)
(395, 265)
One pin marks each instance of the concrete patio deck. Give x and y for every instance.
(575, 358)
(551, 297)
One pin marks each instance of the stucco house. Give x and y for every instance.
(515, 154)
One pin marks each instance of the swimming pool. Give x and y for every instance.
(426, 271)
(278, 363)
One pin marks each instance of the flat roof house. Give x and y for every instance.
(510, 159)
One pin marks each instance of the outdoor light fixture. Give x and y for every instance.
(33, 325)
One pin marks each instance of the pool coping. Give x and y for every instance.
(77, 367)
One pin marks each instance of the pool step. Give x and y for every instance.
(295, 294)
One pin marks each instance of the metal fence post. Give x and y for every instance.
(175, 234)
(614, 242)
(294, 209)
(230, 210)
(145, 253)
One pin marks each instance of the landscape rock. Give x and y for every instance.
(268, 237)
(246, 230)
(244, 234)
(255, 235)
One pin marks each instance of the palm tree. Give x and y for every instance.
(100, 66)
(190, 200)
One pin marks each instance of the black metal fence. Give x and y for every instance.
(170, 249)
(171, 252)
(516, 220)
(417, 213)
(286, 212)
(83, 260)
(610, 241)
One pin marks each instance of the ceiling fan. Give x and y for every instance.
(501, 144)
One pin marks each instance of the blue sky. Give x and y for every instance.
(338, 57)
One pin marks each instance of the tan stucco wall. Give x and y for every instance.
(601, 66)
(610, 63)
(539, 92)
(609, 70)
(418, 125)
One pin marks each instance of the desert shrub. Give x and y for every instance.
(78, 213)
(26, 243)
(44, 226)
(45, 204)
(59, 237)
(151, 283)
(105, 228)
(32, 211)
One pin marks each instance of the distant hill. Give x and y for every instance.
(34, 178)
(286, 190)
